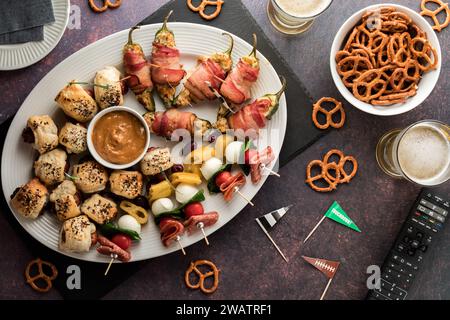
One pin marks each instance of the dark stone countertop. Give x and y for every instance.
(251, 268)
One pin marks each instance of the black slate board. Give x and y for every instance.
(300, 134)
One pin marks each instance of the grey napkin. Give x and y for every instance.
(23, 21)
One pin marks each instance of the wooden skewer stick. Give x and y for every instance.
(236, 189)
(326, 289)
(263, 166)
(114, 256)
(314, 229)
(271, 240)
(179, 243)
(201, 226)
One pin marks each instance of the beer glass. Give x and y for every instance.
(295, 16)
(419, 153)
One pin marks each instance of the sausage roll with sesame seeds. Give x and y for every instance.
(75, 234)
(108, 88)
(127, 184)
(66, 200)
(155, 161)
(42, 132)
(90, 176)
(99, 209)
(73, 137)
(51, 167)
(76, 102)
(30, 199)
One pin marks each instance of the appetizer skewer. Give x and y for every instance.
(253, 116)
(137, 69)
(164, 123)
(166, 71)
(210, 70)
(237, 86)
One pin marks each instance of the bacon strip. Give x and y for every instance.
(167, 121)
(265, 157)
(137, 68)
(170, 230)
(236, 88)
(108, 248)
(227, 188)
(207, 71)
(167, 67)
(208, 220)
(252, 116)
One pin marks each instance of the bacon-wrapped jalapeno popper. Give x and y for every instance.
(164, 123)
(137, 72)
(210, 71)
(237, 86)
(253, 116)
(166, 70)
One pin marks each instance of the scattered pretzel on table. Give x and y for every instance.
(203, 5)
(106, 4)
(338, 167)
(433, 14)
(318, 108)
(214, 272)
(31, 280)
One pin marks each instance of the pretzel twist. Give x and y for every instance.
(31, 280)
(317, 108)
(433, 14)
(106, 4)
(201, 8)
(202, 276)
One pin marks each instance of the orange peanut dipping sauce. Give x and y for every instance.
(119, 137)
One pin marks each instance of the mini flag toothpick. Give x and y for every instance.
(268, 221)
(336, 213)
(327, 267)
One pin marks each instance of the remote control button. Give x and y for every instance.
(411, 252)
(410, 229)
(406, 239)
(419, 235)
(428, 240)
(447, 204)
(400, 248)
(423, 248)
(433, 207)
(415, 244)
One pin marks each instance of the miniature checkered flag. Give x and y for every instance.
(327, 267)
(268, 221)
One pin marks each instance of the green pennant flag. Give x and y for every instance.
(336, 213)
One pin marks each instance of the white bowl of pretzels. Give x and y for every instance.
(385, 59)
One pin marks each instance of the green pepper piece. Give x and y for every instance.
(275, 100)
(110, 229)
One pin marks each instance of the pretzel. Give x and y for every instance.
(433, 14)
(106, 4)
(371, 83)
(385, 56)
(202, 276)
(317, 108)
(31, 280)
(344, 177)
(324, 175)
(202, 7)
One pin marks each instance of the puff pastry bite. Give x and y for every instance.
(66, 200)
(76, 102)
(73, 137)
(51, 167)
(42, 132)
(99, 209)
(30, 199)
(108, 88)
(156, 160)
(90, 176)
(75, 234)
(127, 184)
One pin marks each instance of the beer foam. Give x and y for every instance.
(303, 8)
(424, 154)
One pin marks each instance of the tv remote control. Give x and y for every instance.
(404, 261)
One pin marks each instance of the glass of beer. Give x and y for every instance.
(295, 16)
(419, 153)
